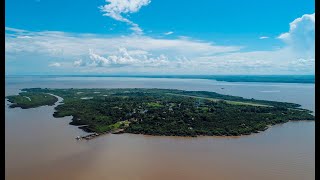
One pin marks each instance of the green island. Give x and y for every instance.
(166, 112)
(27, 100)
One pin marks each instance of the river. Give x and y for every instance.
(39, 146)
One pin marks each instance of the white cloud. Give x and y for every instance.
(123, 57)
(116, 9)
(168, 33)
(263, 37)
(79, 63)
(301, 36)
(182, 55)
(24, 37)
(97, 59)
(55, 64)
(14, 29)
(68, 45)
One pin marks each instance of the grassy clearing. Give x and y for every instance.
(112, 127)
(154, 104)
(227, 101)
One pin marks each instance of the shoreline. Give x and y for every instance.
(189, 137)
(94, 134)
(219, 78)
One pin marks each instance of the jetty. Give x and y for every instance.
(93, 135)
(88, 137)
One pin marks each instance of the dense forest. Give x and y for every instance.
(27, 100)
(162, 111)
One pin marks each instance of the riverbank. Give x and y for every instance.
(169, 112)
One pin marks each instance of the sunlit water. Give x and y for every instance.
(39, 146)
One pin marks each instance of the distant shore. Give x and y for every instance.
(305, 79)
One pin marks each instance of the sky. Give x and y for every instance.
(151, 37)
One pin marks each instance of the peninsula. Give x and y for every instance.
(166, 112)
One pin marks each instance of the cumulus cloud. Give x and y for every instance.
(301, 35)
(168, 33)
(55, 64)
(302, 64)
(97, 59)
(263, 37)
(117, 9)
(79, 63)
(123, 57)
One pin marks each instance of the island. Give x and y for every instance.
(167, 112)
(27, 100)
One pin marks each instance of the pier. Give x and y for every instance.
(93, 135)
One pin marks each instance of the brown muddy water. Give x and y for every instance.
(39, 146)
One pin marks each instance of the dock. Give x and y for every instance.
(88, 137)
(93, 135)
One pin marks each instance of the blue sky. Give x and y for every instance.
(159, 37)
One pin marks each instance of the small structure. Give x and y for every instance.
(88, 137)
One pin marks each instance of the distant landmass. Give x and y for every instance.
(228, 78)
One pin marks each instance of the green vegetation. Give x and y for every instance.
(167, 112)
(112, 127)
(27, 100)
(227, 101)
(154, 104)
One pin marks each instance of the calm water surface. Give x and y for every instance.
(39, 146)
